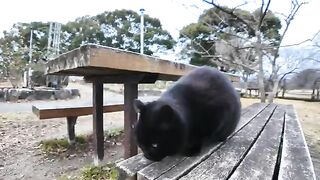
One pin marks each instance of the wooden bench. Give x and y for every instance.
(267, 144)
(72, 114)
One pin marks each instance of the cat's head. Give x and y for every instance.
(159, 130)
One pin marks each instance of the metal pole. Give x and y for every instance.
(30, 60)
(49, 39)
(141, 30)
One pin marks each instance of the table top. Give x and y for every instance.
(96, 60)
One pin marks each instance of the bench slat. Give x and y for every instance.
(132, 165)
(221, 162)
(47, 113)
(261, 160)
(183, 164)
(296, 162)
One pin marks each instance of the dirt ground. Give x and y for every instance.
(22, 158)
(20, 134)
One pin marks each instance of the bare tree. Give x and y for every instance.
(295, 6)
(260, 47)
(291, 61)
(256, 29)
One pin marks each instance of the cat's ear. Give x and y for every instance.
(138, 105)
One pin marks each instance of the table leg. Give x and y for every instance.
(98, 136)
(71, 122)
(130, 118)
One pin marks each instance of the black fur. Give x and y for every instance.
(203, 105)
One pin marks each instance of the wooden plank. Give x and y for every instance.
(173, 168)
(98, 134)
(296, 161)
(222, 161)
(129, 167)
(260, 162)
(138, 162)
(67, 111)
(130, 119)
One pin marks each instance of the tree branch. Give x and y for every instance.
(231, 13)
(204, 49)
(263, 12)
(228, 61)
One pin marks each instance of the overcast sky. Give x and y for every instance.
(173, 14)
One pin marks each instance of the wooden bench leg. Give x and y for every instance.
(130, 118)
(98, 136)
(71, 122)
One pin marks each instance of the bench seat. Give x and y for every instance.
(268, 143)
(71, 114)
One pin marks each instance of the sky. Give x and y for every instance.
(173, 14)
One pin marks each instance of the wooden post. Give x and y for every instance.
(130, 118)
(98, 136)
(71, 121)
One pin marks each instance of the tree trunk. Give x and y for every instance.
(313, 95)
(261, 73)
(284, 88)
(283, 91)
(274, 90)
(245, 81)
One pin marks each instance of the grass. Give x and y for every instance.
(113, 133)
(99, 172)
(57, 147)
(61, 147)
(95, 173)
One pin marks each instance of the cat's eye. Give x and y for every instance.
(154, 145)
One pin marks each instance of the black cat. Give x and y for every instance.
(202, 105)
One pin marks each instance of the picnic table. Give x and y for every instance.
(99, 65)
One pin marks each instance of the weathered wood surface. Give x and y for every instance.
(260, 162)
(67, 111)
(129, 167)
(133, 165)
(221, 162)
(296, 162)
(95, 60)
